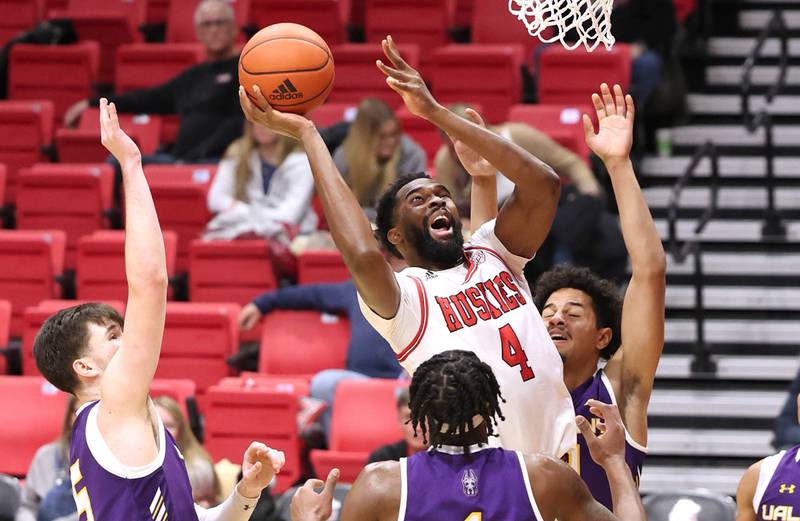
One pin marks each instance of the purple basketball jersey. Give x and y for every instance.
(444, 483)
(599, 388)
(778, 499)
(106, 490)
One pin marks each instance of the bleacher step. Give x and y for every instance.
(741, 263)
(757, 19)
(742, 298)
(730, 198)
(730, 104)
(762, 75)
(722, 231)
(722, 480)
(735, 331)
(736, 135)
(731, 46)
(709, 442)
(788, 167)
(741, 403)
(732, 367)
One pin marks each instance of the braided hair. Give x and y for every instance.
(450, 388)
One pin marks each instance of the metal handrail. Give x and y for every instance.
(773, 225)
(681, 250)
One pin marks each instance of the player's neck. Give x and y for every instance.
(477, 435)
(577, 373)
(88, 394)
(426, 264)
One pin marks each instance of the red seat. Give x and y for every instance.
(54, 5)
(35, 315)
(302, 343)
(492, 23)
(570, 77)
(182, 391)
(82, 144)
(63, 74)
(297, 386)
(100, 265)
(71, 197)
(32, 414)
(422, 22)
(326, 17)
(317, 266)
(198, 339)
(420, 130)
(180, 193)
(357, 77)
(156, 12)
(29, 264)
(352, 438)
(489, 75)
(463, 16)
(18, 16)
(180, 18)
(332, 113)
(26, 127)
(3, 176)
(562, 123)
(236, 416)
(229, 271)
(5, 325)
(110, 23)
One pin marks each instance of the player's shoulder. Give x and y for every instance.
(381, 477)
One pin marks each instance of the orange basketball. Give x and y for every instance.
(291, 64)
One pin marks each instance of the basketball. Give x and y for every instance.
(291, 64)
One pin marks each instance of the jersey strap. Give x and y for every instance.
(423, 322)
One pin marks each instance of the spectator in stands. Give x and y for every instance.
(264, 187)
(787, 430)
(204, 96)
(451, 173)
(410, 444)
(368, 354)
(376, 151)
(199, 466)
(47, 494)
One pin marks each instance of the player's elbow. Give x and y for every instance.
(364, 259)
(653, 267)
(543, 179)
(149, 279)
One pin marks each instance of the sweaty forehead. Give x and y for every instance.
(564, 296)
(416, 184)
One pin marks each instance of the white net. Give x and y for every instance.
(572, 22)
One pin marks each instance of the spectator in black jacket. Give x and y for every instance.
(204, 96)
(411, 442)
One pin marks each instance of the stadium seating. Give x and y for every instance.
(562, 123)
(82, 144)
(30, 262)
(180, 193)
(100, 265)
(32, 414)
(326, 17)
(229, 271)
(3, 177)
(27, 128)
(180, 18)
(352, 436)
(463, 14)
(332, 113)
(198, 339)
(570, 77)
(35, 315)
(18, 16)
(72, 197)
(493, 24)
(156, 12)
(110, 23)
(302, 343)
(423, 22)
(357, 77)
(182, 391)
(315, 266)
(489, 75)
(5, 324)
(298, 386)
(54, 5)
(236, 416)
(420, 130)
(63, 74)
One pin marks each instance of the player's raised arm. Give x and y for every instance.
(634, 365)
(532, 205)
(349, 226)
(127, 379)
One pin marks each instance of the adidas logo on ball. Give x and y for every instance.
(285, 91)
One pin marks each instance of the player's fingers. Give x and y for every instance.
(247, 104)
(588, 128)
(261, 100)
(631, 109)
(619, 100)
(586, 428)
(608, 99)
(330, 483)
(476, 118)
(253, 470)
(397, 85)
(276, 459)
(602, 427)
(390, 49)
(597, 101)
(394, 73)
(313, 483)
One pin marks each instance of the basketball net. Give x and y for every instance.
(587, 22)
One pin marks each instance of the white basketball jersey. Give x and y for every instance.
(485, 305)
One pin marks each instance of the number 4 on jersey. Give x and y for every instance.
(512, 352)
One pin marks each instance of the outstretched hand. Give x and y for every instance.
(260, 465)
(406, 81)
(292, 125)
(609, 446)
(308, 505)
(615, 114)
(113, 137)
(474, 163)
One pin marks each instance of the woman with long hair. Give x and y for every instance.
(263, 187)
(199, 465)
(376, 151)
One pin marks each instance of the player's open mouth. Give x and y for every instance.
(558, 336)
(441, 226)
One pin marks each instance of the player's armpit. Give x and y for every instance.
(746, 492)
(375, 496)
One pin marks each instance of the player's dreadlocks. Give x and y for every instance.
(450, 388)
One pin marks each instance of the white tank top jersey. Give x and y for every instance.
(485, 306)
